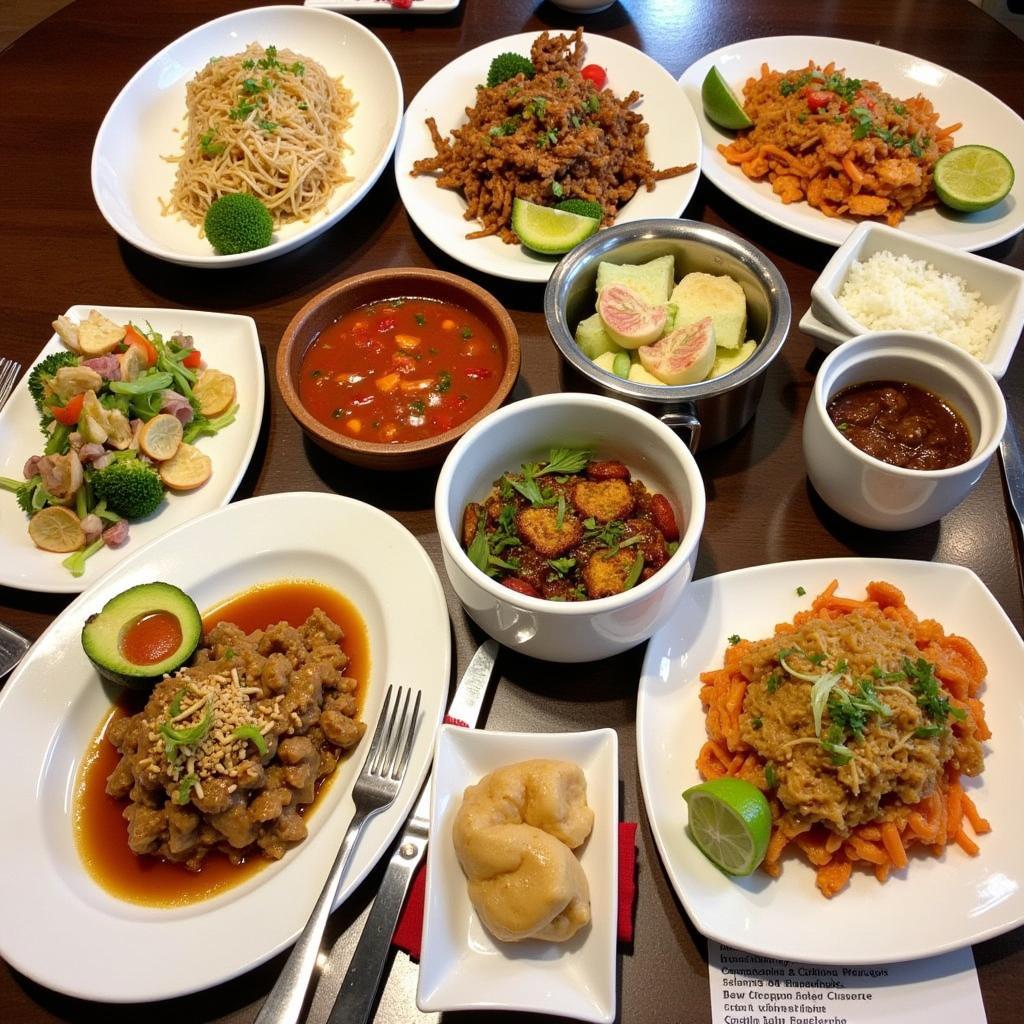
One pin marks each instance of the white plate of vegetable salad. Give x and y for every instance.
(92, 499)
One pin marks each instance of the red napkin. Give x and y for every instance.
(409, 933)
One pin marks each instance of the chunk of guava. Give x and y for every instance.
(628, 319)
(683, 356)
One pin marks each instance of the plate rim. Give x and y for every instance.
(279, 248)
(77, 586)
(533, 272)
(688, 81)
(709, 927)
(402, 804)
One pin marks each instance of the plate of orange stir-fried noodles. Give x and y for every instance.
(845, 131)
(879, 706)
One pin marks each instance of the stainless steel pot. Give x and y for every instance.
(710, 411)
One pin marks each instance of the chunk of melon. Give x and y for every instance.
(717, 296)
(727, 360)
(593, 339)
(639, 375)
(652, 281)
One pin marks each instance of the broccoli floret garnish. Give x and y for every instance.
(130, 488)
(506, 66)
(58, 440)
(44, 370)
(238, 223)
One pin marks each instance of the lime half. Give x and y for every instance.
(547, 230)
(972, 178)
(721, 104)
(731, 823)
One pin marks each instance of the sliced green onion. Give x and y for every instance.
(250, 732)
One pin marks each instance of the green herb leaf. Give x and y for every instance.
(444, 381)
(800, 591)
(566, 460)
(479, 551)
(562, 565)
(769, 775)
(185, 789)
(634, 571)
(251, 733)
(734, 639)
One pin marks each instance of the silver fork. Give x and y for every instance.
(9, 371)
(376, 787)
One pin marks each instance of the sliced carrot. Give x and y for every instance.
(893, 845)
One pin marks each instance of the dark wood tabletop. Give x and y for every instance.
(57, 82)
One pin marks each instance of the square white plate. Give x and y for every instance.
(463, 967)
(996, 284)
(227, 342)
(938, 903)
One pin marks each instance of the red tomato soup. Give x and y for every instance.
(401, 370)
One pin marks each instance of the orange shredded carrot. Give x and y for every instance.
(978, 823)
(894, 845)
(968, 845)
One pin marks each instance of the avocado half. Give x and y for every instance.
(102, 633)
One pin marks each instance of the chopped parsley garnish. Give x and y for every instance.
(592, 104)
(925, 687)
(444, 381)
(773, 682)
(416, 407)
(420, 320)
(242, 111)
(537, 107)
(562, 565)
(507, 127)
(756, 723)
(734, 639)
(769, 775)
(465, 333)
(800, 592)
(556, 189)
(208, 147)
(267, 126)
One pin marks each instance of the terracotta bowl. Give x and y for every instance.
(376, 285)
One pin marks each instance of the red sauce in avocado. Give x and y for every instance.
(151, 638)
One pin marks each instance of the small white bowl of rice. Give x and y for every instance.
(886, 279)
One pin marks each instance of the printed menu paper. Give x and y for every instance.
(751, 989)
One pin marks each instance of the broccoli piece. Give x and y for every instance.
(23, 491)
(238, 223)
(58, 440)
(203, 427)
(129, 487)
(582, 208)
(43, 371)
(506, 66)
(75, 562)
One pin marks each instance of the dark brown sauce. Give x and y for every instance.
(901, 424)
(101, 833)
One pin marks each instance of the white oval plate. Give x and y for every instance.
(674, 138)
(227, 342)
(147, 121)
(51, 706)
(788, 917)
(463, 966)
(987, 121)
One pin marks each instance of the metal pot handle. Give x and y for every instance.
(684, 421)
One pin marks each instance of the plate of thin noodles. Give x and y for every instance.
(295, 106)
(890, 116)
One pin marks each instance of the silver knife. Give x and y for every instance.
(359, 986)
(1013, 470)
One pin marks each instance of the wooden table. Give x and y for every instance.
(57, 82)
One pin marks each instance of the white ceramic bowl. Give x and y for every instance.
(997, 284)
(873, 493)
(582, 630)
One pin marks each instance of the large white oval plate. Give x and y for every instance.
(228, 342)
(986, 121)
(904, 919)
(146, 122)
(58, 926)
(673, 139)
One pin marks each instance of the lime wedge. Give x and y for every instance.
(721, 104)
(972, 178)
(731, 823)
(547, 230)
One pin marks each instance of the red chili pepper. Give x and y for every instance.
(520, 586)
(138, 340)
(385, 324)
(193, 359)
(68, 414)
(595, 75)
(817, 99)
(663, 516)
(478, 372)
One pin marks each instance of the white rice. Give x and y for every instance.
(897, 293)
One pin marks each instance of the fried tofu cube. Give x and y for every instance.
(539, 528)
(470, 521)
(603, 500)
(604, 576)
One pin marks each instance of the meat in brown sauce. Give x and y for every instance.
(901, 424)
(570, 536)
(195, 774)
